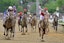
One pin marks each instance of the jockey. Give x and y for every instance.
(15, 10)
(25, 11)
(9, 11)
(20, 15)
(42, 15)
(46, 13)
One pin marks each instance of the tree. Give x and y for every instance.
(5, 3)
(51, 6)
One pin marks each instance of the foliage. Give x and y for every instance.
(51, 5)
(20, 8)
(5, 3)
(33, 8)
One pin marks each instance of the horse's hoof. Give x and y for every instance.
(42, 40)
(7, 35)
(42, 37)
(13, 35)
(7, 38)
(4, 33)
(26, 30)
(23, 33)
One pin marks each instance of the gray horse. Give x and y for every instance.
(55, 22)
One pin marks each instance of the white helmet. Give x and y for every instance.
(30, 15)
(10, 7)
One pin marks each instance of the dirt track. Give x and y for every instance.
(33, 37)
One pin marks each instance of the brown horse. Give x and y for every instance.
(24, 23)
(43, 26)
(9, 25)
(34, 23)
(19, 24)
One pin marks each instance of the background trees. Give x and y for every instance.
(50, 4)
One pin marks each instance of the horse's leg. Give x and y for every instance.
(56, 28)
(19, 27)
(13, 30)
(43, 32)
(23, 29)
(31, 28)
(40, 31)
(26, 28)
(35, 28)
(47, 29)
(6, 32)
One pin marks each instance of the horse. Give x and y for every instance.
(19, 23)
(43, 27)
(9, 26)
(29, 19)
(33, 23)
(55, 22)
(24, 23)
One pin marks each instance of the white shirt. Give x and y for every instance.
(40, 9)
(57, 13)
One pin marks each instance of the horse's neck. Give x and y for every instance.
(55, 18)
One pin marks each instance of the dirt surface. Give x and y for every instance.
(33, 37)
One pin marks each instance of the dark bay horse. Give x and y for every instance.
(55, 22)
(9, 25)
(24, 23)
(19, 24)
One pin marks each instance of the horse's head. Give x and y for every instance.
(8, 19)
(55, 18)
(8, 22)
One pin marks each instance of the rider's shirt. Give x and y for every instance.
(42, 13)
(40, 9)
(20, 15)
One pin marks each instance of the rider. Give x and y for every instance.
(9, 11)
(42, 15)
(25, 11)
(20, 15)
(15, 10)
(46, 13)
